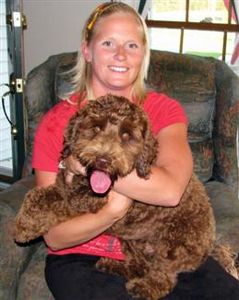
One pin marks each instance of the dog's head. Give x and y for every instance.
(110, 137)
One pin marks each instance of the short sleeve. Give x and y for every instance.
(163, 111)
(48, 141)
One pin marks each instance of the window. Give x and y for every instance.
(202, 27)
(5, 128)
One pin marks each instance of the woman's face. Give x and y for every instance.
(116, 53)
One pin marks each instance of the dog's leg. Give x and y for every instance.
(38, 213)
(123, 268)
(161, 278)
(134, 268)
(112, 266)
(150, 287)
(157, 282)
(131, 266)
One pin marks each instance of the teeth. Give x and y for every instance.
(118, 69)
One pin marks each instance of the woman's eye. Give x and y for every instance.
(107, 43)
(133, 46)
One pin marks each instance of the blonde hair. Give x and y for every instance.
(82, 72)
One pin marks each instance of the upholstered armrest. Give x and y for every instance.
(226, 126)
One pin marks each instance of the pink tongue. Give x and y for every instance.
(100, 182)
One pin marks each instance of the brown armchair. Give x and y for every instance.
(209, 92)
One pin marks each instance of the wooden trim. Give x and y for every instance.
(181, 40)
(187, 10)
(224, 46)
(193, 25)
(6, 179)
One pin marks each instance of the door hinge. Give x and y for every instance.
(19, 85)
(16, 84)
(16, 19)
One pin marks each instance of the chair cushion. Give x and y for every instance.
(225, 206)
(32, 284)
(62, 78)
(12, 258)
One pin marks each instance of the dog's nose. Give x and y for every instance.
(102, 162)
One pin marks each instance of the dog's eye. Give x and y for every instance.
(125, 136)
(97, 129)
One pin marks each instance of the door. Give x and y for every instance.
(13, 97)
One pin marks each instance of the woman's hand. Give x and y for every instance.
(73, 167)
(117, 205)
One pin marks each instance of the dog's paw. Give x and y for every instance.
(103, 264)
(112, 266)
(108, 265)
(23, 237)
(139, 288)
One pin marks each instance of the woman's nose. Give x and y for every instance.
(120, 53)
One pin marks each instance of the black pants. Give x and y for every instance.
(74, 277)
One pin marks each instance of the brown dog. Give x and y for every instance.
(111, 137)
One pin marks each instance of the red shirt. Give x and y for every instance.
(162, 112)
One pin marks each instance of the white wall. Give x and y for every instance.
(53, 26)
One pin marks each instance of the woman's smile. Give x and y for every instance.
(118, 69)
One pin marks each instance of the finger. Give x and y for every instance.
(62, 165)
(69, 177)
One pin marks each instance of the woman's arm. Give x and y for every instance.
(44, 179)
(170, 174)
(82, 228)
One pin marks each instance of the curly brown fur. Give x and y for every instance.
(113, 135)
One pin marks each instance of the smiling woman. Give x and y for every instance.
(114, 57)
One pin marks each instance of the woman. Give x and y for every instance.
(114, 59)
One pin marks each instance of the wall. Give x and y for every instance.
(53, 26)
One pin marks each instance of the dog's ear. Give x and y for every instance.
(148, 154)
(70, 135)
